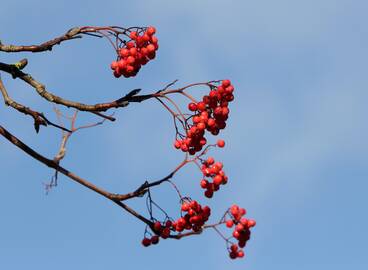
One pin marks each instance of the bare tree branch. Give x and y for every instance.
(46, 46)
(39, 118)
(52, 164)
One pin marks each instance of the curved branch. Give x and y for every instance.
(39, 118)
(46, 46)
(41, 90)
(52, 164)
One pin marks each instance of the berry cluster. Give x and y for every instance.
(212, 169)
(135, 53)
(148, 241)
(195, 216)
(209, 114)
(241, 230)
(161, 230)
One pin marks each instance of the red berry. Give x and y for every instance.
(234, 209)
(121, 64)
(201, 106)
(181, 222)
(133, 35)
(236, 234)
(217, 180)
(154, 40)
(220, 90)
(233, 255)
(157, 226)
(210, 160)
(179, 228)
(240, 254)
(184, 148)
(217, 112)
(211, 122)
(130, 44)
(201, 126)
(168, 223)
(208, 193)
(219, 165)
(203, 141)
(215, 131)
(145, 37)
(204, 183)
(194, 204)
(124, 52)
(229, 89)
(155, 239)
(234, 247)
(133, 51)
(165, 233)
(117, 74)
(239, 227)
(225, 111)
(130, 60)
(230, 97)
(151, 55)
(151, 30)
(177, 144)
(206, 171)
(206, 210)
(242, 243)
(220, 143)
(151, 48)
(146, 242)
(226, 83)
(144, 51)
(192, 106)
(196, 119)
(251, 223)
(244, 221)
(114, 65)
(206, 99)
(185, 207)
(229, 223)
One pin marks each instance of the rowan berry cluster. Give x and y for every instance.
(148, 241)
(135, 53)
(161, 230)
(195, 216)
(241, 231)
(214, 170)
(209, 114)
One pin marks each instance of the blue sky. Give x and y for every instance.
(296, 153)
